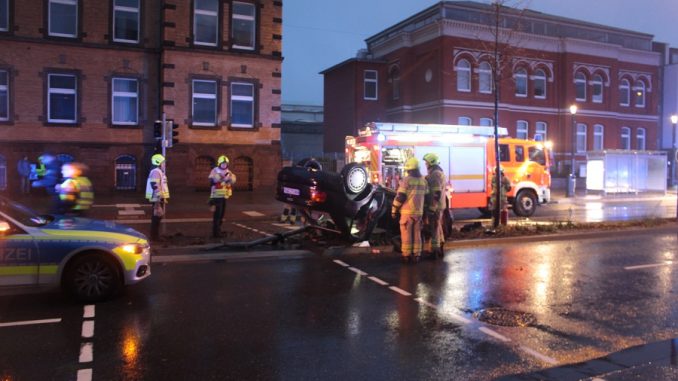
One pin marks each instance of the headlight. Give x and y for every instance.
(133, 248)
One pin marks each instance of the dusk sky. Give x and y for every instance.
(318, 34)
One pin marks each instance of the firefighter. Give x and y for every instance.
(409, 202)
(222, 180)
(505, 188)
(433, 216)
(157, 192)
(75, 193)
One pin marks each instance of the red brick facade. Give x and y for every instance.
(163, 61)
(420, 60)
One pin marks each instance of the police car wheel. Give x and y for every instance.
(355, 178)
(92, 277)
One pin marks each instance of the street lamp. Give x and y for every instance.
(572, 180)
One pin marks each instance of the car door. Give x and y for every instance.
(19, 257)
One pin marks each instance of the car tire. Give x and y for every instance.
(525, 203)
(355, 178)
(92, 277)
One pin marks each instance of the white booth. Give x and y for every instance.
(625, 171)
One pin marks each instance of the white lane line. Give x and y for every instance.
(377, 280)
(357, 271)
(85, 375)
(665, 263)
(459, 318)
(341, 263)
(494, 334)
(427, 304)
(253, 213)
(88, 312)
(253, 229)
(30, 322)
(546, 359)
(86, 352)
(400, 291)
(88, 329)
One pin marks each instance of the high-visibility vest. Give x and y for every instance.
(162, 192)
(222, 186)
(436, 183)
(415, 190)
(77, 190)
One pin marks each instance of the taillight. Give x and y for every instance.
(318, 196)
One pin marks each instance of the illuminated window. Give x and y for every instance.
(639, 91)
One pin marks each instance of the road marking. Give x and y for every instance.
(253, 229)
(86, 352)
(427, 304)
(400, 291)
(341, 263)
(85, 375)
(357, 271)
(88, 329)
(131, 212)
(665, 263)
(88, 311)
(494, 334)
(286, 226)
(253, 213)
(377, 280)
(30, 322)
(546, 359)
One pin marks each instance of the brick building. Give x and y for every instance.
(86, 79)
(436, 67)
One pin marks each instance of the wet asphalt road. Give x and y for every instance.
(363, 316)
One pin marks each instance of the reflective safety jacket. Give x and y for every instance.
(78, 191)
(222, 181)
(410, 196)
(161, 190)
(436, 188)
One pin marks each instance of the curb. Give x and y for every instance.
(231, 256)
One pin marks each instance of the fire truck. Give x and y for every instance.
(467, 156)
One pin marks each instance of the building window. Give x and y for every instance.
(625, 138)
(597, 96)
(539, 80)
(4, 15)
(126, 21)
(125, 173)
(485, 78)
(640, 139)
(63, 18)
(242, 105)
(540, 131)
(204, 111)
(598, 137)
(243, 26)
(580, 86)
(394, 78)
(521, 82)
(125, 101)
(4, 95)
(206, 22)
(463, 76)
(370, 85)
(624, 93)
(486, 122)
(581, 137)
(521, 129)
(639, 91)
(464, 121)
(62, 96)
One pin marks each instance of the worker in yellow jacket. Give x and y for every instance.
(409, 202)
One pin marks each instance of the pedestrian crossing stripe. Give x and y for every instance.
(253, 213)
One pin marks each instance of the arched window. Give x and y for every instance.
(463, 75)
(521, 129)
(597, 95)
(3, 173)
(598, 137)
(625, 138)
(539, 84)
(125, 173)
(520, 77)
(540, 130)
(394, 80)
(486, 122)
(581, 137)
(640, 139)
(624, 93)
(639, 91)
(485, 78)
(464, 121)
(580, 86)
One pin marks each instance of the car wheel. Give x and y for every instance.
(355, 178)
(525, 203)
(92, 277)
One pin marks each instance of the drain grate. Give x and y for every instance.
(503, 317)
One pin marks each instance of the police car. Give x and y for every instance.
(92, 259)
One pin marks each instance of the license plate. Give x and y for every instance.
(291, 191)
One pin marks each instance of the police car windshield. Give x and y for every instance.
(22, 214)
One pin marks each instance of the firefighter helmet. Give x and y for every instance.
(157, 159)
(411, 163)
(222, 159)
(432, 158)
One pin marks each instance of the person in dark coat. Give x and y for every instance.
(23, 167)
(49, 181)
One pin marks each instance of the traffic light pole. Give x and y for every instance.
(164, 135)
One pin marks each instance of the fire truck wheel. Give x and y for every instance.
(355, 178)
(525, 203)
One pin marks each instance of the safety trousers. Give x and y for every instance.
(410, 234)
(435, 230)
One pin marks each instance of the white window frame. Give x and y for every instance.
(522, 129)
(581, 134)
(74, 3)
(540, 131)
(121, 8)
(625, 86)
(485, 84)
(625, 138)
(60, 90)
(579, 80)
(639, 87)
(465, 81)
(487, 122)
(4, 88)
(597, 83)
(464, 121)
(5, 22)
(598, 137)
(205, 13)
(374, 81)
(520, 75)
(124, 94)
(253, 19)
(212, 96)
(249, 98)
(641, 141)
(539, 77)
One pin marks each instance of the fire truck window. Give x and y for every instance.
(537, 155)
(504, 152)
(520, 154)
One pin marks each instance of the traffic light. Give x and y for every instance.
(172, 134)
(158, 135)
